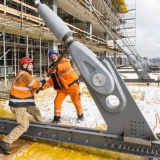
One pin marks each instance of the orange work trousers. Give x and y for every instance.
(74, 92)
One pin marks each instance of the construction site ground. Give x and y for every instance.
(32, 149)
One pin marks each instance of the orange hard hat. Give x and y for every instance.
(25, 60)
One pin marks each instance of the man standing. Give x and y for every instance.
(65, 81)
(22, 101)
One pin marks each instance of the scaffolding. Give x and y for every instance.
(128, 27)
(24, 33)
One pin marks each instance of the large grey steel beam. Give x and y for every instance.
(141, 80)
(86, 137)
(135, 80)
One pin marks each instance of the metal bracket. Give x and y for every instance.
(137, 140)
(84, 136)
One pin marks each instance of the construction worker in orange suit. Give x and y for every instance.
(65, 81)
(22, 101)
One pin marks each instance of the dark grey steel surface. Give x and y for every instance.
(141, 80)
(127, 118)
(135, 80)
(83, 136)
(126, 71)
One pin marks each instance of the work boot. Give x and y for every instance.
(5, 147)
(80, 118)
(56, 120)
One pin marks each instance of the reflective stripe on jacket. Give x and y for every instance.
(22, 90)
(63, 77)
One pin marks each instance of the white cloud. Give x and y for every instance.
(147, 27)
(156, 44)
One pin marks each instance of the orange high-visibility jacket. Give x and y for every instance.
(63, 77)
(22, 90)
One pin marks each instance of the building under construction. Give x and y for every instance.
(24, 33)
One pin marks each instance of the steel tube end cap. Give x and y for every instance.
(37, 2)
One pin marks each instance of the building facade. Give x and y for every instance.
(24, 33)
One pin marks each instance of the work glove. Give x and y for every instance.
(42, 82)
